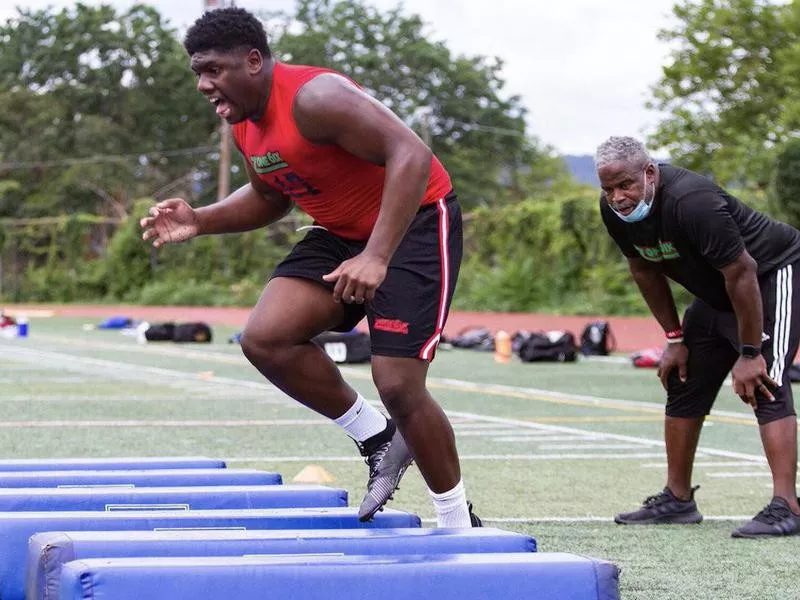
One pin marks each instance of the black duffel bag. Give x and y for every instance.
(192, 332)
(160, 332)
(553, 346)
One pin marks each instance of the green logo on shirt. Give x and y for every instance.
(664, 251)
(269, 162)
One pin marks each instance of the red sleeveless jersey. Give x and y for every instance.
(340, 191)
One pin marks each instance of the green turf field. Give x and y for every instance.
(549, 450)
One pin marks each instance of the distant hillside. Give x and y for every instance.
(582, 168)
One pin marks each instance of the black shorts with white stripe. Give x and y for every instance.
(713, 341)
(410, 308)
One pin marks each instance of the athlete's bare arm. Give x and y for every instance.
(329, 109)
(253, 205)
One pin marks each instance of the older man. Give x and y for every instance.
(740, 265)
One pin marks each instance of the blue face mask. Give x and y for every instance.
(642, 208)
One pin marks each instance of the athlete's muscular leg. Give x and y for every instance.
(276, 341)
(422, 422)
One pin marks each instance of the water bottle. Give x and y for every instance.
(22, 327)
(502, 347)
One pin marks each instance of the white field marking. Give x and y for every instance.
(532, 435)
(128, 371)
(44, 378)
(454, 383)
(601, 435)
(487, 457)
(574, 398)
(150, 349)
(707, 465)
(589, 446)
(523, 437)
(64, 399)
(617, 360)
(161, 423)
(568, 520)
(745, 474)
(479, 426)
(365, 374)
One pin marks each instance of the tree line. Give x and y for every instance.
(102, 117)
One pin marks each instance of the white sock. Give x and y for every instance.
(362, 420)
(451, 507)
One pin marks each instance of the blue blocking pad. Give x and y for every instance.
(106, 464)
(138, 478)
(170, 498)
(421, 577)
(47, 552)
(16, 528)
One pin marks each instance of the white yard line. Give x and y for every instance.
(146, 372)
(589, 446)
(601, 435)
(534, 435)
(238, 359)
(568, 520)
(707, 465)
(589, 400)
(115, 370)
(64, 399)
(479, 427)
(483, 457)
(98, 423)
(42, 377)
(730, 475)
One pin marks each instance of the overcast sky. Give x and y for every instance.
(583, 68)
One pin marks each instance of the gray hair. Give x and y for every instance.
(621, 149)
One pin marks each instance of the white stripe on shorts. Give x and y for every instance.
(783, 322)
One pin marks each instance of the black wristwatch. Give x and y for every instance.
(749, 351)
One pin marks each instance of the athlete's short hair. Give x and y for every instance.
(621, 149)
(226, 29)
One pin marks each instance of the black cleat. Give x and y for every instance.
(663, 508)
(474, 520)
(388, 458)
(775, 519)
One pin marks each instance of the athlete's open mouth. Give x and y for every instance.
(223, 106)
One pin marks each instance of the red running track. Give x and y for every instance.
(631, 333)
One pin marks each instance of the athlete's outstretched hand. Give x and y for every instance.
(169, 222)
(675, 357)
(357, 279)
(750, 377)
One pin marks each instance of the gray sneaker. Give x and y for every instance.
(388, 458)
(663, 508)
(775, 519)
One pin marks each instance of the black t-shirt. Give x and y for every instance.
(696, 228)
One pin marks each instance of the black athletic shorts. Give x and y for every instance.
(713, 340)
(408, 313)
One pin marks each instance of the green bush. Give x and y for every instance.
(191, 292)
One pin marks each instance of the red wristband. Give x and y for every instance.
(671, 335)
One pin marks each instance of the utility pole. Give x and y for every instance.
(224, 187)
(424, 115)
(224, 177)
